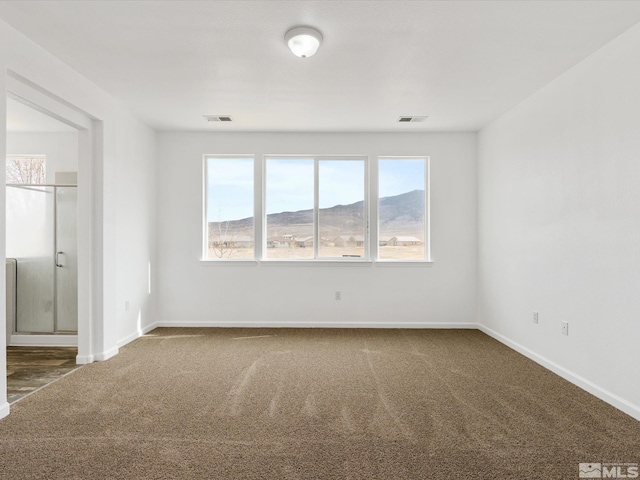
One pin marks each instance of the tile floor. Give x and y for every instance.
(31, 368)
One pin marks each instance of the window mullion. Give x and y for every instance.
(427, 212)
(371, 193)
(258, 207)
(316, 208)
(205, 209)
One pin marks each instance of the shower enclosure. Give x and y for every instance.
(42, 258)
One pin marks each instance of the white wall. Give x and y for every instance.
(60, 148)
(123, 185)
(559, 218)
(441, 294)
(136, 231)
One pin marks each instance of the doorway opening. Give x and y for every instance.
(41, 228)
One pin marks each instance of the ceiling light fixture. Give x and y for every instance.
(303, 41)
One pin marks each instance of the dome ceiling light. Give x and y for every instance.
(303, 41)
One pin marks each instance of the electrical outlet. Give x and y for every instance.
(126, 305)
(535, 317)
(565, 328)
(338, 295)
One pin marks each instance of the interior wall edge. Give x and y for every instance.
(4, 406)
(4, 409)
(137, 334)
(118, 139)
(106, 355)
(579, 381)
(558, 208)
(84, 359)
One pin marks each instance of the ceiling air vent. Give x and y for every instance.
(413, 119)
(218, 118)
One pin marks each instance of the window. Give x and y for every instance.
(29, 169)
(315, 208)
(341, 209)
(402, 212)
(229, 225)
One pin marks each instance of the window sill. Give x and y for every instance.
(323, 263)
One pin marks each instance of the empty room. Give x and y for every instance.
(272, 239)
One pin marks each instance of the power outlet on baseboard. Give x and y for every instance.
(126, 305)
(535, 317)
(338, 295)
(565, 328)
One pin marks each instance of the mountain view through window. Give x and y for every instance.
(291, 215)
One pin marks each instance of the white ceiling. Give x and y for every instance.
(462, 63)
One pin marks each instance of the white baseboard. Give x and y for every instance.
(604, 395)
(137, 334)
(4, 409)
(84, 359)
(18, 340)
(223, 324)
(106, 355)
(101, 357)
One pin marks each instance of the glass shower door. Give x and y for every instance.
(66, 260)
(31, 241)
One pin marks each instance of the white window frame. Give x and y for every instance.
(316, 210)
(205, 211)
(427, 211)
(371, 212)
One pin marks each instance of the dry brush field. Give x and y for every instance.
(384, 253)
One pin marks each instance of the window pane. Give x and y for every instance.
(229, 190)
(26, 169)
(401, 209)
(341, 213)
(289, 206)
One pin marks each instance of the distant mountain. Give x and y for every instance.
(399, 215)
(402, 214)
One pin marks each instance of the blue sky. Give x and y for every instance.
(229, 188)
(396, 176)
(290, 184)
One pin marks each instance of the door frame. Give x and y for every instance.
(89, 233)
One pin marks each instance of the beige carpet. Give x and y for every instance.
(312, 404)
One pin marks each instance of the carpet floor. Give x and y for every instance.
(312, 404)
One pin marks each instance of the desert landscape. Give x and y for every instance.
(384, 253)
(341, 232)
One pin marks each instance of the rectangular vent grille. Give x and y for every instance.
(218, 118)
(413, 119)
